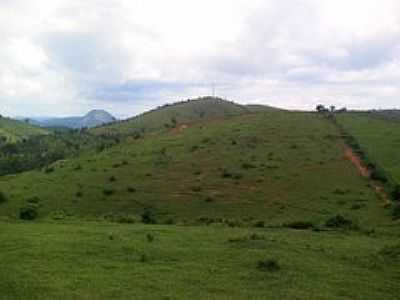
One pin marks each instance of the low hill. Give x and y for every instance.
(92, 119)
(168, 116)
(265, 167)
(12, 131)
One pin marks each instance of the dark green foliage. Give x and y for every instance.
(108, 191)
(147, 217)
(396, 211)
(270, 265)
(49, 169)
(150, 237)
(301, 225)
(112, 179)
(131, 190)
(396, 192)
(2, 197)
(259, 224)
(339, 221)
(28, 212)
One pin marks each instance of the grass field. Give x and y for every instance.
(251, 206)
(14, 131)
(380, 138)
(108, 261)
(272, 167)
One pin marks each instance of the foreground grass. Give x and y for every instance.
(103, 261)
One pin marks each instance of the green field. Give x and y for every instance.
(271, 167)
(379, 137)
(220, 205)
(13, 131)
(106, 261)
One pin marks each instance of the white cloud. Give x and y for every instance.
(64, 57)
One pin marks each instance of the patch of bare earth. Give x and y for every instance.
(365, 172)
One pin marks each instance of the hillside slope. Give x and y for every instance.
(275, 167)
(13, 131)
(168, 116)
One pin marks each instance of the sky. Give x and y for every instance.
(65, 57)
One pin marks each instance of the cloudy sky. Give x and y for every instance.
(64, 57)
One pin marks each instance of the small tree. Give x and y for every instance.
(2, 197)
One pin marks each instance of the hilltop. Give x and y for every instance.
(169, 115)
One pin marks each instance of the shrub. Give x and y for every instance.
(49, 170)
(112, 179)
(108, 191)
(339, 221)
(396, 211)
(396, 192)
(2, 198)
(150, 237)
(300, 225)
(247, 166)
(131, 190)
(28, 212)
(259, 224)
(79, 194)
(147, 217)
(269, 265)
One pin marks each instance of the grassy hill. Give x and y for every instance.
(168, 116)
(13, 131)
(255, 167)
(280, 213)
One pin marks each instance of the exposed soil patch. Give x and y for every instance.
(356, 161)
(364, 172)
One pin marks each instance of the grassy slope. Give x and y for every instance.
(278, 167)
(380, 138)
(108, 261)
(15, 130)
(185, 112)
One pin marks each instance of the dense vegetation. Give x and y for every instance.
(40, 151)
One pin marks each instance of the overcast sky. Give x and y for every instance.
(64, 57)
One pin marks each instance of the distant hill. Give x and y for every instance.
(169, 115)
(92, 119)
(13, 131)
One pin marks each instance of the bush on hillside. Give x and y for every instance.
(300, 225)
(269, 265)
(396, 211)
(396, 192)
(147, 217)
(2, 198)
(339, 221)
(28, 212)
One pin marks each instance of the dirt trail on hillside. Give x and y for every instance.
(356, 161)
(364, 172)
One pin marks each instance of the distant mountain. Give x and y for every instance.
(92, 119)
